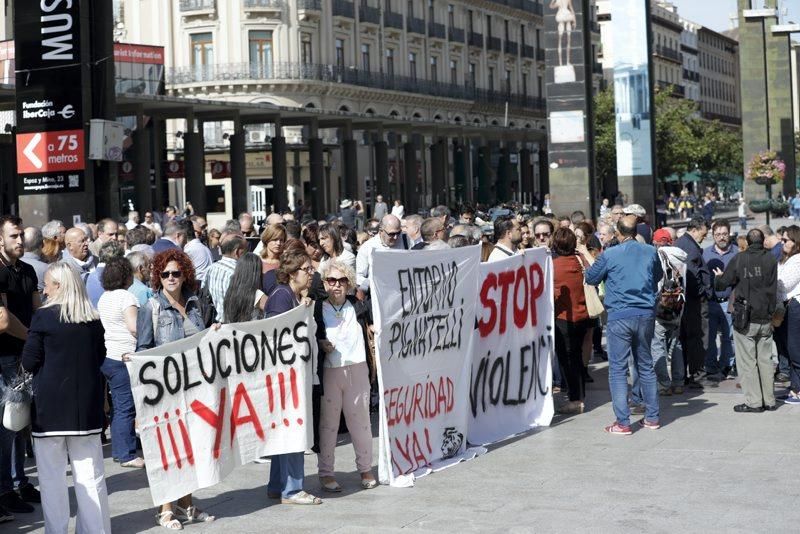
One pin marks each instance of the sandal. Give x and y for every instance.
(368, 483)
(330, 484)
(168, 521)
(302, 498)
(191, 514)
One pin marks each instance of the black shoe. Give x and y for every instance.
(5, 516)
(600, 355)
(771, 408)
(691, 383)
(11, 502)
(781, 377)
(29, 494)
(743, 408)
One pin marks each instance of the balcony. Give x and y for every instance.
(455, 35)
(493, 43)
(369, 15)
(511, 48)
(528, 51)
(691, 75)
(393, 20)
(540, 54)
(538, 9)
(678, 91)
(208, 6)
(288, 72)
(475, 39)
(516, 4)
(415, 25)
(436, 30)
(594, 26)
(263, 5)
(668, 53)
(726, 119)
(344, 8)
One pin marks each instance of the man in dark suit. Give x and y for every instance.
(175, 236)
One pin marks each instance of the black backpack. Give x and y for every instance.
(207, 308)
(671, 297)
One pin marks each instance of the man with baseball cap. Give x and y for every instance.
(643, 230)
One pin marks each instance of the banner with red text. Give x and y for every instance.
(509, 388)
(220, 399)
(423, 305)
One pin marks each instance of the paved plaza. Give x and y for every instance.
(707, 470)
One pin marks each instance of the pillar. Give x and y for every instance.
(410, 177)
(142, 157)
(158, 157)
(279, 198)
(194, 166)
(438, 167)
(381, 148)
(317, 176)
(350, 164)
(484, 187)
(460, 171)
(503, 183)
(525, 175)
(239, 196)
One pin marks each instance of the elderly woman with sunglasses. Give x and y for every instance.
(171, 314)
(342, 337)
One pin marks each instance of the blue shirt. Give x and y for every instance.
(715, 260)
(94, 285)
(140, 291)
(631, 271)
(777, 251)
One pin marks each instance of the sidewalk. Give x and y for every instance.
(707, 470)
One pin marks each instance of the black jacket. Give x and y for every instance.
(65, 359)
(753, 274)
(698, 276)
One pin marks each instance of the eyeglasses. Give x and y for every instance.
(373, 231)
(393, 235)
(308, 270)
(173, 274)
(722, 235)
(542, 235)
(337, 281)
(786, 240)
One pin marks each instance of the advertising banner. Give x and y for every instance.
(220, 399)
(49, 105)
(424, 311)
(513, 351)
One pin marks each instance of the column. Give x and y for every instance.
(525, 175)
(317, 175)
(484, 187)
(350, 164)
(194, 166)
(460, 171)
(158, 156)
(279, 198)
(438, 166)
(410, 177)
(503, 183)
(381, 148)
(141, 167)
(239, 196)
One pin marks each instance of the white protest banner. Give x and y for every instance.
(513, 350)
(424, 310)
(220, 399)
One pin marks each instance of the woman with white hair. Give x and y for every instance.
(342, 337)
(67, 413)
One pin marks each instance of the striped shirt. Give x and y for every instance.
(218, 278)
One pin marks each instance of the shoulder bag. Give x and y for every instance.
(593, 303)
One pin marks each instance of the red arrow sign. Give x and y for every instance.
(42, 152)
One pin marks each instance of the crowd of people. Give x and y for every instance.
(657, 296)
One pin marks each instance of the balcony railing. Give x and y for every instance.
(676, 90)
(415, 25)
(691, 75)
(436, 30)
(393, 20)
(263, 4)
(538, 9)
(493, 43)
(344, 8)
(335, 74)
(476, 39)
(668, 53)
(455, 35)
(198, 5)
(310, 5)
(511, 48)
(528, 51)
(369, 14)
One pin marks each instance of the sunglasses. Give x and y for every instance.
(542, 235)
(337, 281)
(393, 235)
(786, 240)
(173, 274)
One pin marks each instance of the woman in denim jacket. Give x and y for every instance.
(173, 313)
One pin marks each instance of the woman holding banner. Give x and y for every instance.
(171, 314)
(67, 413)
(341, 334)
(572, 317)
(294, 279)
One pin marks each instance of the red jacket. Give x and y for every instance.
(568, 296)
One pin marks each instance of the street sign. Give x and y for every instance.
(220, 169)
(51, 161)
(174, 169)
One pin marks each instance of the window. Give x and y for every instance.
(410, 8)
(507, 31)
(434, 69)
(431, 12)
(412, 65)
(470, 21)
(387, 5)
(390, 61)
(451, 15)
(340, 53)
(365, 65)
(453, 71)
(522, 35)
(306, 55)
(525, 84)
(508, 82)
(472, 75)
(491, 79)
(489, 26)
(202, 49)
(261, 53)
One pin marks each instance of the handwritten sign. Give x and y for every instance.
(509, 388)
(424, 309)
(220, 399)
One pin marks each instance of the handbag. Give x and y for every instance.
(17, 401)
(593, 303)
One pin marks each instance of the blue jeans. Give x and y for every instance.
(633, 336)
(123, 414)
(666, 342)
(719, 321)
(286, 474)
(12, 444)
(792, 322)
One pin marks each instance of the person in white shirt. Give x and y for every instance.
(197, 251)
(133, 220)
(789, 292)
(389, 236)
(345, 375)
(150, 223)
(398, 210)
(508, 235)
(118, 309)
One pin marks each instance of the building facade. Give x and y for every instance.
(719, 77)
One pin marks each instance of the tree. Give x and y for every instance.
(605, 137)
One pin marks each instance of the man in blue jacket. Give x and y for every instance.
(631, 271)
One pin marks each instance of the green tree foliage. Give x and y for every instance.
(685, 142)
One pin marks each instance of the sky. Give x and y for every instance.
(715, 14)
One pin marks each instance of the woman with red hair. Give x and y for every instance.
(171, 314)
